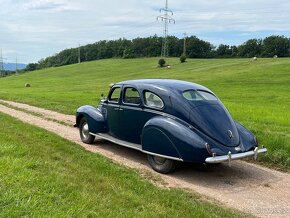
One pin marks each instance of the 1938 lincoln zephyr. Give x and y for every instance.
(171, 121)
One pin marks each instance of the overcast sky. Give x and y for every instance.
(35, 29)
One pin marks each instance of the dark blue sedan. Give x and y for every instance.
(170, 121)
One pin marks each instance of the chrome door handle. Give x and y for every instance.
(121, 109)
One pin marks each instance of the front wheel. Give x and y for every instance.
(161, 165)
(85, 135)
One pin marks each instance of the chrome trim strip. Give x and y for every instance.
(119, 142)
(229, 157)
(123, 143)
(164, 156)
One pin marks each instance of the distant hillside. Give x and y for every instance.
(12, 66)
(272, 46)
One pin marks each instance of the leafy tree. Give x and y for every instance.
(224, 51)
(151, 47)
(197, 48)
(235, 51)
(250, 48)
(128, 53)
(276, 45)
(182, 58)
(31, 67)
(161, 62)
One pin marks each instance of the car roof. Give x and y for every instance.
(167, 84)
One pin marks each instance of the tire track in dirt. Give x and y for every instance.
(244, 186)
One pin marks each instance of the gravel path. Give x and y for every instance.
(248, 187)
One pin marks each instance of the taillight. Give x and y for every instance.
(257, 142)
(207, 148)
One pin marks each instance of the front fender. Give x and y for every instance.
(169, 137)
(94, 117)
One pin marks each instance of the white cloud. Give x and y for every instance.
(48, 26)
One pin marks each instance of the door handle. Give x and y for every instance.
(121, 109)
(116, 109)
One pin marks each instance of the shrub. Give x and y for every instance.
(161, 62)
(182, 58)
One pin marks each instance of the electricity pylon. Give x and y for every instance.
(166, 18)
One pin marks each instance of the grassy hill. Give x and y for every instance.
(255, 92)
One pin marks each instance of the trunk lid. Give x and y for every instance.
(215, 121)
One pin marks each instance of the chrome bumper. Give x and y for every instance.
(229, 157)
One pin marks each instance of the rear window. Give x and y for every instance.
(153, 100)
(198, 95)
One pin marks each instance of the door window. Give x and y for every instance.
(153, 100)
(132, 96)
(115, 95)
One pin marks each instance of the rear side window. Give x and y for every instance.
(198, 95)
(132, 96)
(115, 95)
(153, 100)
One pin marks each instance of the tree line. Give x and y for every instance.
(151, 47)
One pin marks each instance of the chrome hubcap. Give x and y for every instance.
(85, 131)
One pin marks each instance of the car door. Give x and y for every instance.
(134, 114)
(113, 107)
(131, 117)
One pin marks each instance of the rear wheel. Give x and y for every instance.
(161, 165)
(85, 135)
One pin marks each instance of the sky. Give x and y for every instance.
(34, 29)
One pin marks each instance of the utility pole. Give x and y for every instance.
(166, 18)
(184, 43)
(1, 64)
(16, 66)
(79, 54)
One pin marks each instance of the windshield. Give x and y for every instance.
(198, 95)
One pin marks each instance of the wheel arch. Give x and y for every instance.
(184, 143)
(94, 117)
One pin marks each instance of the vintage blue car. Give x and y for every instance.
(170, 121)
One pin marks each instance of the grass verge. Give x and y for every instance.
(42, 174)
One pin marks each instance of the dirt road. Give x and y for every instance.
(244, 186)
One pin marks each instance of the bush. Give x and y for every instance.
(161, 62)
(182, 58)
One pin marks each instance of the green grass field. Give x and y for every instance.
(43, 175)
(255, 92)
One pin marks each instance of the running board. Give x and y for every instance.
(131, 145)
(118, 141)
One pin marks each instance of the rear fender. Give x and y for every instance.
(94, 118)
(169, 137)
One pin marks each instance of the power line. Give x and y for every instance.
(166, 18)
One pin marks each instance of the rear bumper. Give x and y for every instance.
(229, 157)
